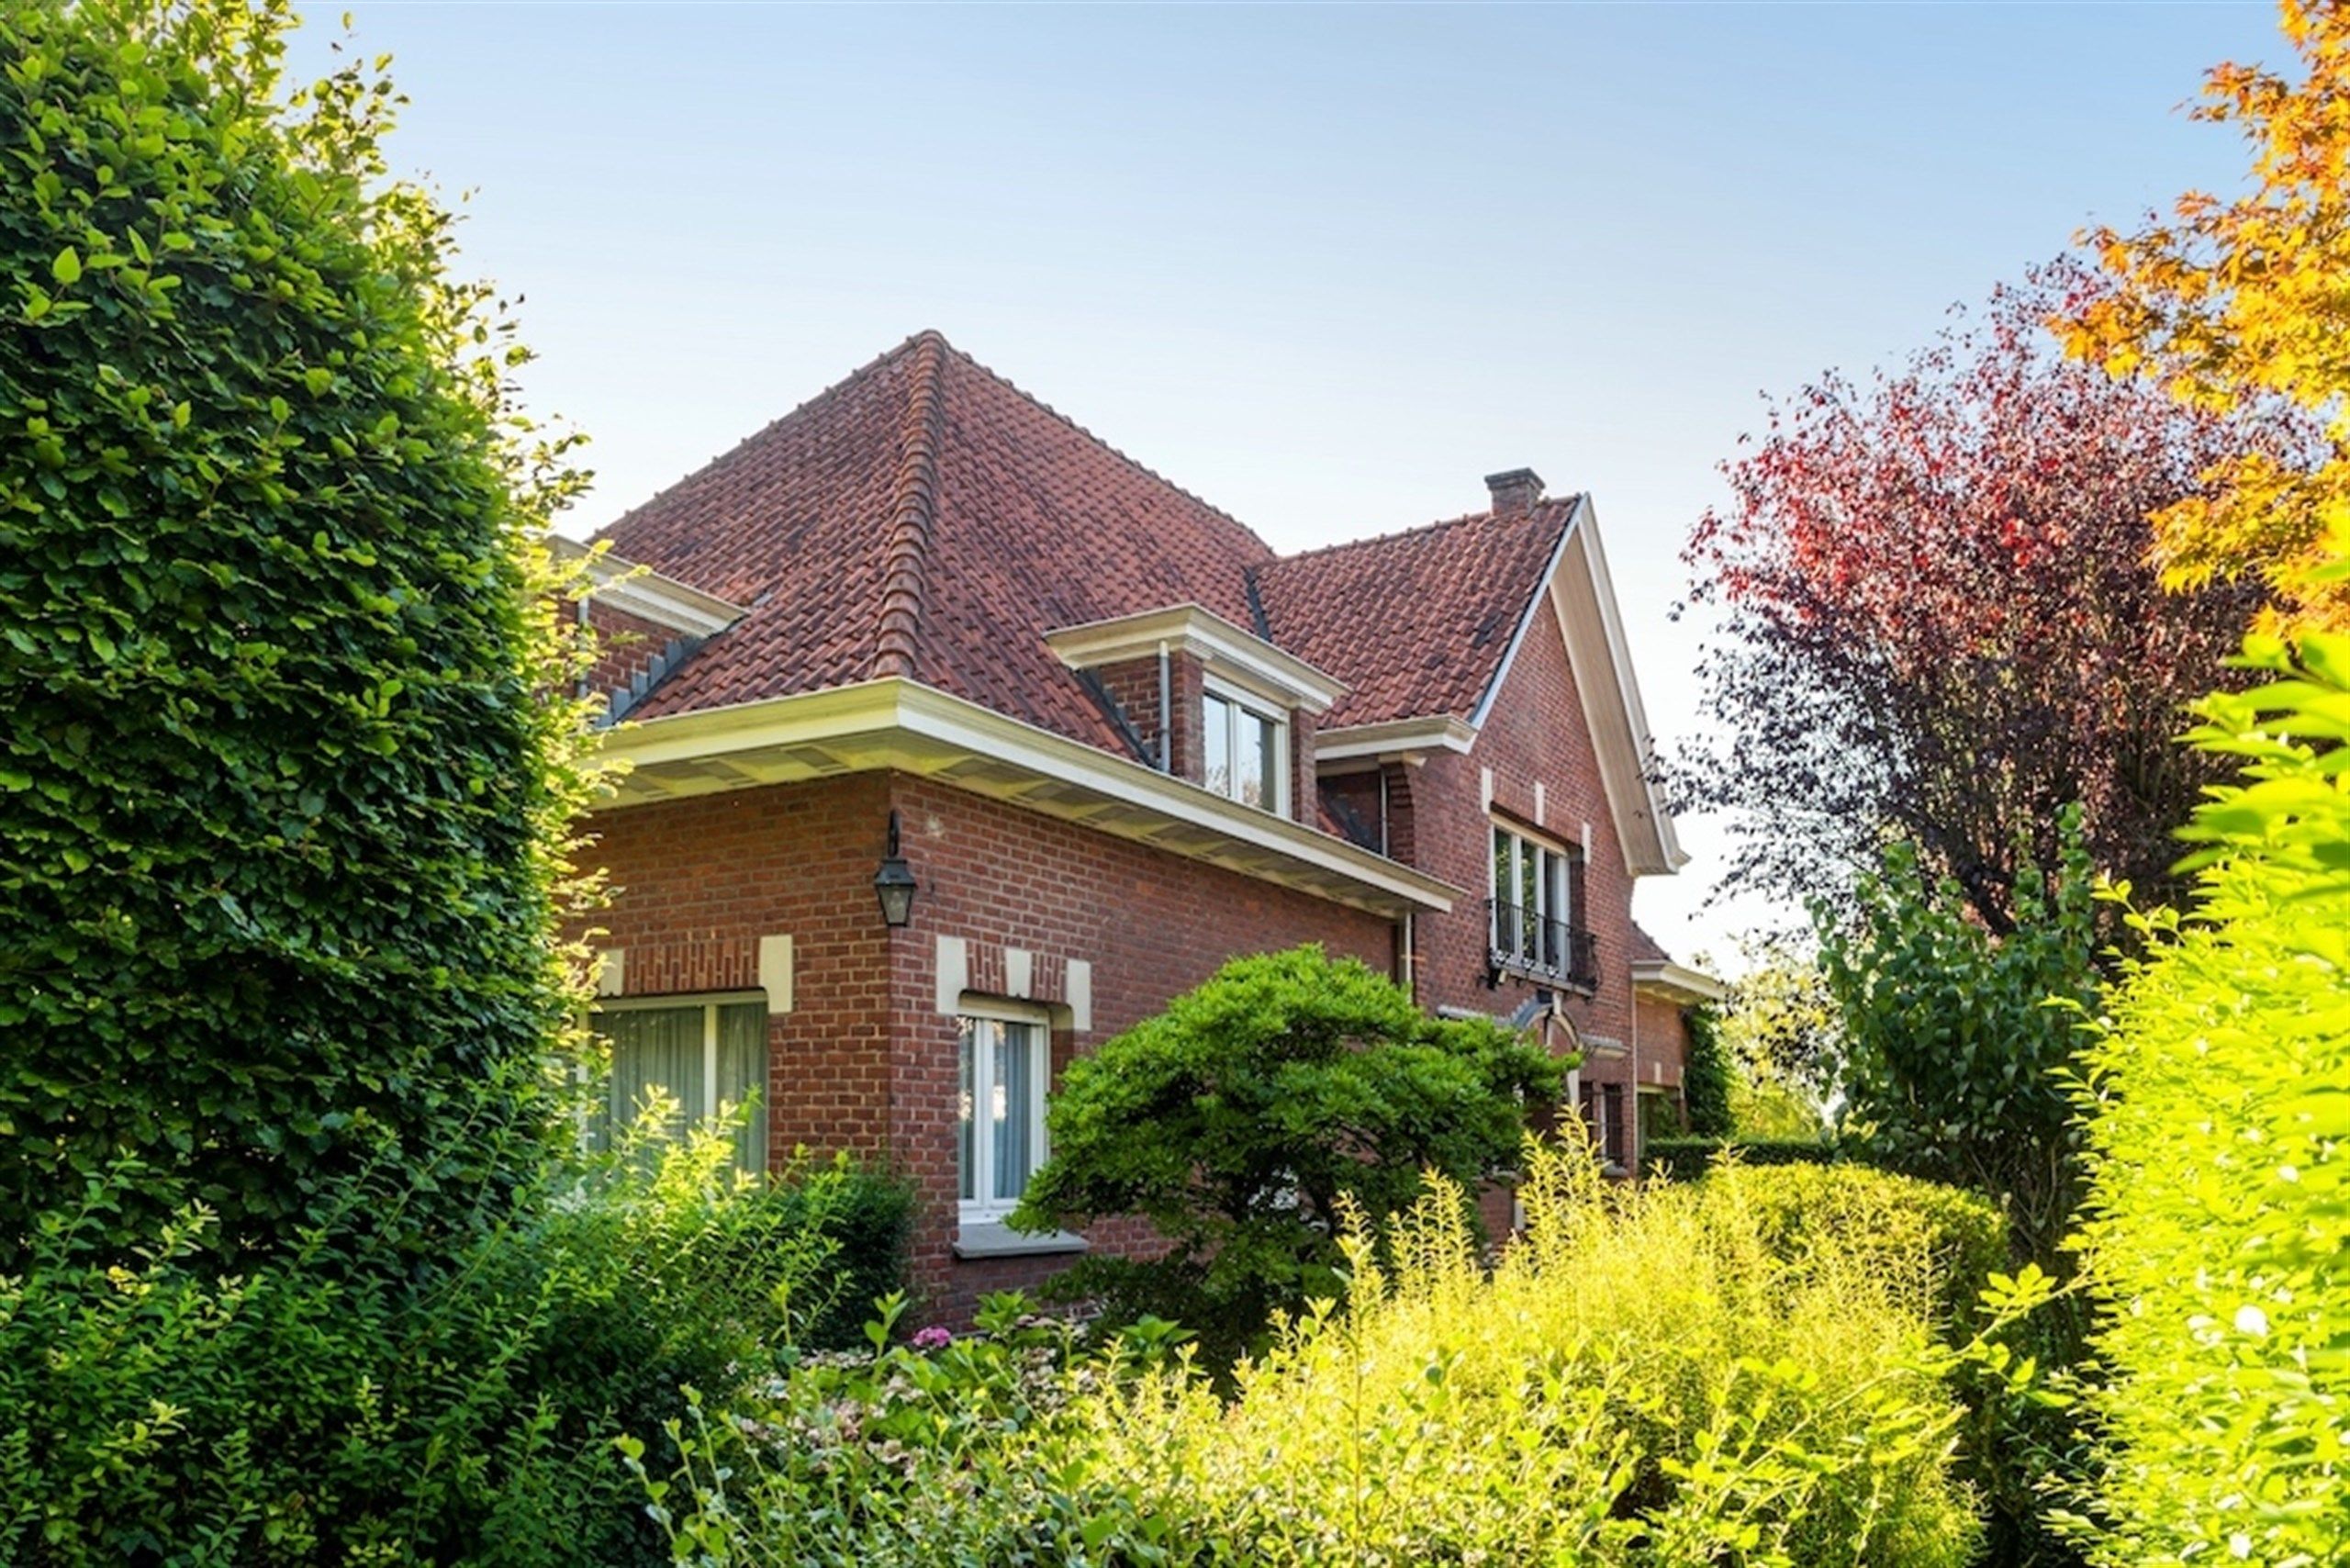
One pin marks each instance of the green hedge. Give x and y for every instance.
(280, 793)
(1686, 1157)
(864, 1220)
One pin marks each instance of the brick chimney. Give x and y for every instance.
(1515, 492)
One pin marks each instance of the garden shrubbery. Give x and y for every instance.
(1686, 1158)
(462, 1411)
(1666, 1375)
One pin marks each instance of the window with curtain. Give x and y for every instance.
(1000, 1126)
(709, 1057)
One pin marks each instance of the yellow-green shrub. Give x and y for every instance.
(1661, 1376)
(2219, 1214)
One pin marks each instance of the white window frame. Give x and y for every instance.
(1244, 700)
(712, 1106)
(976, 1210)
(1551, 902)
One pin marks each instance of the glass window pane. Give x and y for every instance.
(1217, 732)
(655, 1051)
(1015, 1089)
(1530, 898)
(1502, 941)
(743, 1077)
(1554, 907)
(966, 1146)
(1256, 760)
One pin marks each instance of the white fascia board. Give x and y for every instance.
(894, 716)
(641, 591)
(1229, 650)
(1583, 597)
(1394, 737)
(1677, 983)
(1525, 620)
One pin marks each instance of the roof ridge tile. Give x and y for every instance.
(914, 506)
(862, 373)
(1417, 529)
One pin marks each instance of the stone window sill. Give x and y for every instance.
(989, 1240)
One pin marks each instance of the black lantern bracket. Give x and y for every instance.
(894, 883)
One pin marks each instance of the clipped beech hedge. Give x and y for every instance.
(1684, 1158)
(276, 791)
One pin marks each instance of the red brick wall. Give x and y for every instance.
(625, 643)
(1133, 685)
(1663, 1042)
(866, 1061)
(1535, 733)
(1150, 923)
(698, 882)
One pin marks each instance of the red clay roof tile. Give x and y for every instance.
(925, 518)
(1416, 623)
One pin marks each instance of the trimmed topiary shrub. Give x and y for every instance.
(282, 798)
(1250, 1117)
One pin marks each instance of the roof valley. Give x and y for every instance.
(914, 506)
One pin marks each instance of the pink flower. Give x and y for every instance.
(932, 1339)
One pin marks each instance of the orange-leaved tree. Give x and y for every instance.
(2236, 301)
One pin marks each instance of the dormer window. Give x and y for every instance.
(1246, 746)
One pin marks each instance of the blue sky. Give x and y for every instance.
(1325, 265)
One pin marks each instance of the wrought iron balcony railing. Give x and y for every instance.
(1523, 942)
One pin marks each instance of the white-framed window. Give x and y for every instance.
(1244, 744)
(707, 1055)
(1532, 902)
(1006, 1058)
(1603, 1107)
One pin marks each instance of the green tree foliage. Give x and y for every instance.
(1954, 1059)
(1958, 1046)
(2218, 1212)
(1252, 1115)
(282, 803)
(1707, 1075)
(1783, 1039)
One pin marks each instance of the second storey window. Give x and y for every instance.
(1535, 929)
(1245, 750)
(1001, 1117)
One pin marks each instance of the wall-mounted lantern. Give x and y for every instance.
(894, 883)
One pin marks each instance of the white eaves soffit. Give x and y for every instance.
(644, 593)
(1229, 650)
(907, 727)
(1582, 601)
(1408, 739)
(1677, 983)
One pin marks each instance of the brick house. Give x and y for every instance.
(927, 623)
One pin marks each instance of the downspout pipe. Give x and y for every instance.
(1166, 712)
